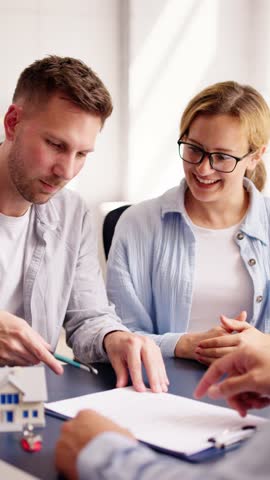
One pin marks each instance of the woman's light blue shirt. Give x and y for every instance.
(151, 265)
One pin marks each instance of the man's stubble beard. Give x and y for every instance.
(22, 184)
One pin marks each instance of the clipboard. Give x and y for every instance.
(199, 457)
(203, 456)
(217, 450)
(170, 424)
(59, 416)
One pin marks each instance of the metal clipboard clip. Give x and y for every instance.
(231, 436)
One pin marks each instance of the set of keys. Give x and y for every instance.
(31, 441)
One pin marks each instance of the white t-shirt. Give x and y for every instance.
(13, 235)
(222, 284)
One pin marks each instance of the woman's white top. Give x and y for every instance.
(222, 284)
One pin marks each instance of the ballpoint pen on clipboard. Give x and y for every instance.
(232, 436)
(74, 363)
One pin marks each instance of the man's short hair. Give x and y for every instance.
(69, 77)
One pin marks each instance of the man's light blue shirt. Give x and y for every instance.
(151, 265)
(63, 283)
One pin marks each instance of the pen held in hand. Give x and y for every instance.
(74, 363)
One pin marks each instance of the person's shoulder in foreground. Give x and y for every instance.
(93, 447)
(114, 456)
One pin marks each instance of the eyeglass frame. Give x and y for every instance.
(209, 155)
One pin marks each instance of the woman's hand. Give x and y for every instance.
(187, 345)
(240, 333)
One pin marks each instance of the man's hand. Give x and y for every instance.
(127, 352)
(248, 380)
(76, 433)
(21, 345)
(211, 349)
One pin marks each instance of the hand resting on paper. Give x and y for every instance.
(128, 352)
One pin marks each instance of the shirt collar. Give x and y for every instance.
(47, 215)
(254, 223)
(174, 200)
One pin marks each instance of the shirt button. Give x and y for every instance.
(240, 236)
(252, 262)
(259, 299)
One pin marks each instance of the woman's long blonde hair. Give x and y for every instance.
(240, 101)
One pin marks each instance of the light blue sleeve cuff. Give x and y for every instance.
(111, 456)
(168, 343)
(96, 456)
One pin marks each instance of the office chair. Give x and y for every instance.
(109, 224)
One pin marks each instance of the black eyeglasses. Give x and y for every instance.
(221, 162)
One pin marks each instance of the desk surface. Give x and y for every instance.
(184, 376)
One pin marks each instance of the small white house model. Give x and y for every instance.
(22, 393)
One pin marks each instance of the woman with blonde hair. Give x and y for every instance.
(191, 268)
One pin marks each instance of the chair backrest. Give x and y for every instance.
(109, 224)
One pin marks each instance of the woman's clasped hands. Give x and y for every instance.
(239, 333)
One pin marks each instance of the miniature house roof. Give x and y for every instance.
(31, 382)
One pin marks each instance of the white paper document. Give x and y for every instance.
(8, 472)
(164, 420)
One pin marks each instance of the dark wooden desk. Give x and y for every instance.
(184, 376)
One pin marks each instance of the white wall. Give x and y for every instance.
(176, 49)
(89, 30)
(153, 55)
